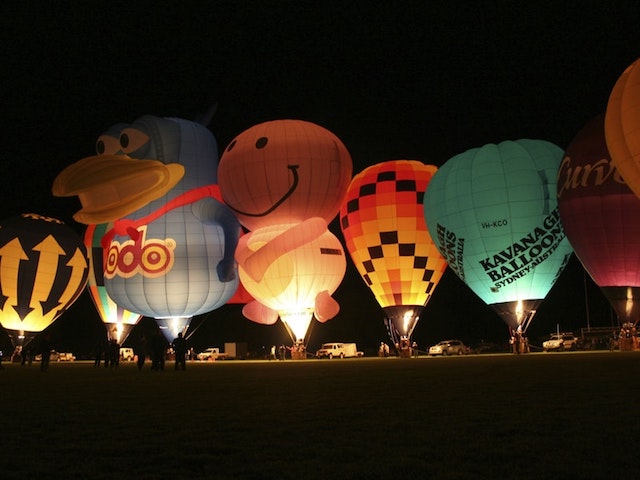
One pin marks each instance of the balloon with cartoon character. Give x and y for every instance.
(43, 270)
(285, 181)
(170, 252)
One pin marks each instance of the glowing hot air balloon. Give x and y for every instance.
(43, 270)
(118, 321)
(170, 254)
(622, 126)
(383, 224)
(285, 180)
(493, 214)
(599, 214)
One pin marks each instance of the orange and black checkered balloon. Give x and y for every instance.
(382, 219)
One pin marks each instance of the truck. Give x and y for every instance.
(126, 354)
(560, 342)
(339, 350)
(211, 353)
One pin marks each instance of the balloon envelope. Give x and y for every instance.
(622, 125)
(493, 213)
(599, 214)
(383, 225)
(43, 270)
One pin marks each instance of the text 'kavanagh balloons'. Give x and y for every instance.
(383, 224)
(493, 214)
(599, 214)
(43, 270)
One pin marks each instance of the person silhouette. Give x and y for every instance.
(180, 349)
(45, 352)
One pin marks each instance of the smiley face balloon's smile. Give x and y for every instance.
(284, 172)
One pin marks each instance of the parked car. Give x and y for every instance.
(449, 347)
(126, 354)
(57, 357)
(211, 353)
(560, 342)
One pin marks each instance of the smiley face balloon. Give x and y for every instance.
(286, 180)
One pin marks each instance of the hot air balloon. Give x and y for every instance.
(622, 126)
(170, 253)
(285, 181)
(118, 321)
(493, 214)
(383, 224)
(43, 270)
(598, 213)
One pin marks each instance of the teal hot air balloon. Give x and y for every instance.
(493, 214)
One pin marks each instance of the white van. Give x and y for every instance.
(339, 350)
(126, 354)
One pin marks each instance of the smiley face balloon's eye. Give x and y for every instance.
(262, 142)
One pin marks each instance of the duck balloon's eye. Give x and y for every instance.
(133, 140)
(107, 145)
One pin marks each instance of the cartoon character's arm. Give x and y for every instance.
(256, 263)
(211, 212)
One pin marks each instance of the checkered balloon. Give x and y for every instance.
(383, 223)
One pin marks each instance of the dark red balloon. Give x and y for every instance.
(599, 214)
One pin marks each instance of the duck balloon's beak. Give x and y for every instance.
(112, 186)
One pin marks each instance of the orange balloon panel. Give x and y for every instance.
(622, 126)
(382, 220)
(284, 172)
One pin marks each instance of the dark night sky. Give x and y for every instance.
(417, 80)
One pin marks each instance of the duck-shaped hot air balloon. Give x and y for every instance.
(170, 253)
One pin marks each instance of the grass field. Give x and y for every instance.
(554, 415)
